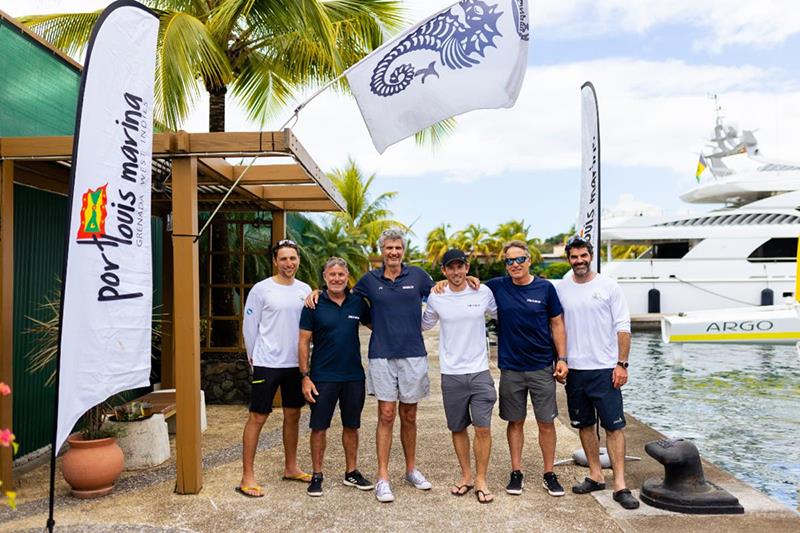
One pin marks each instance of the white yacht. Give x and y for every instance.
(738, 255)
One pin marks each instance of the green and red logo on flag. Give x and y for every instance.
(93, 213)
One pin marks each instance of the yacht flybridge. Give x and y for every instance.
(738, 255)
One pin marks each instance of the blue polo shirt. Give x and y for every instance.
(336, 354)
(523, 318)
(396, 311)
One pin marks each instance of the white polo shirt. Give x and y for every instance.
(594, 312)
(271, 324)
(462, 340)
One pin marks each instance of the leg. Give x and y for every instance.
(408, 433)
(318, 445)
(483, 448)
(547, 443)
(383, 436)
(615, 442)
(291, 434)
(591, 446)
(515, 433)
(461, 445)
(350, 445)
(252, 430)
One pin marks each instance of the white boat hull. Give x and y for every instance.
(774, 324)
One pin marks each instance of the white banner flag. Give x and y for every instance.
(472, 55)
(589, 215)
(107, 292)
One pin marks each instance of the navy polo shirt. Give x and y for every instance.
(336, 354)
(523, 318)
(396, 311)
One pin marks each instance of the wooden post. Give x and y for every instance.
(168, 327)
(186, 319)
(6, 314)
(278, 226)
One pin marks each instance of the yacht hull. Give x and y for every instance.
(774, 324)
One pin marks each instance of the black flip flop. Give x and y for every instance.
(626, 499)
(482, 496)
(459, 488)
(588, 485)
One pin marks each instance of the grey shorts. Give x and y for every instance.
(404, 379)
(468, 399)
(515, 387)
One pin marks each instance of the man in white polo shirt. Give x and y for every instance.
(467, 386)
(271, 329)
(598, 344)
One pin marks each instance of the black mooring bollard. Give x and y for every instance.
(653, 301)
(684, 488)
(767, 297)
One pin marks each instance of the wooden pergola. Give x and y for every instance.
(287, 179)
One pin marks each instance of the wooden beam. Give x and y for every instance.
(168, 324)
(217, 167)
(188, 449)
(50, 177)
(278, 226)
(302, 156)
(292, 192)
(6, 314)
(60, 147)
(272, 174)
(249, 141)
(310, 205)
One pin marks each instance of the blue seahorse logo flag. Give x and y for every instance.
(472, 55)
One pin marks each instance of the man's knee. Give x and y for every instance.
(546, 427)
(291, 414)
(516, 425)
(483, 433)
(257, 419)
(408, 414)
(386, 413)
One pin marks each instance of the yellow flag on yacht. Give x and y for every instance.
(701, 167)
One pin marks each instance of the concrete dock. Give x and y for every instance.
(144, 501)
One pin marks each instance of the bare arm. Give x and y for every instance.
(309, 390)
(560, 340)
(620, 375)
(312, 299)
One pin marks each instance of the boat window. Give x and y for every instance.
(670, 250)
(780, 250)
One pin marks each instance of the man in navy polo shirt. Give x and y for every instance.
(398, 363)
(530, 323)
(335, 374)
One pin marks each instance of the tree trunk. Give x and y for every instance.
(223, 332)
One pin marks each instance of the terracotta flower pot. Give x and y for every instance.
(91, 467)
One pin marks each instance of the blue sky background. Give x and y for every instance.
(653, 64)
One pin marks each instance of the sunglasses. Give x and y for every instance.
(518, 260)
(577, 239)
(286, 242)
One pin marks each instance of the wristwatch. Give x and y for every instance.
(305, 374)
(562, 360)
(623, 364)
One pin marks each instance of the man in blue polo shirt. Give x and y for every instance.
(335, 374)
(398, 363)
(530, 323)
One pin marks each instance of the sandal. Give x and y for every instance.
(484, 497)
(303, 477)
(626, 499)
(460, 490)
(588, 485)
(250, 492)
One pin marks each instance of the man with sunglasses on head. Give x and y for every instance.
(599, 340)
(531, 337)
(271, 332)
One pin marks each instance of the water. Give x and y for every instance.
(739, 404)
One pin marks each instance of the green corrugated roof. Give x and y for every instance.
(38, 91)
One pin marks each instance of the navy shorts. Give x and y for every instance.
(265, 384)
(349, 395)
(592, 390)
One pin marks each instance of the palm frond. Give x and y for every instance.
(69, 32)
(435, 135)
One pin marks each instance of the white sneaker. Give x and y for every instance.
(383, 491)
(416, 478)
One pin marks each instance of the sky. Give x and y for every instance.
(654, 65)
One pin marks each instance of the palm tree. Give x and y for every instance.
(476, 243)
(438, 242)
(265, 51)
(363, 218)
(331, 239)
(514, 230)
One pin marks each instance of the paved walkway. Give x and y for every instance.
(145, 501)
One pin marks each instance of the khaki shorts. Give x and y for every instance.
(404, 379)
(515, 388)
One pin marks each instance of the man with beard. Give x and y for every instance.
(271, 331)
(598, 344)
